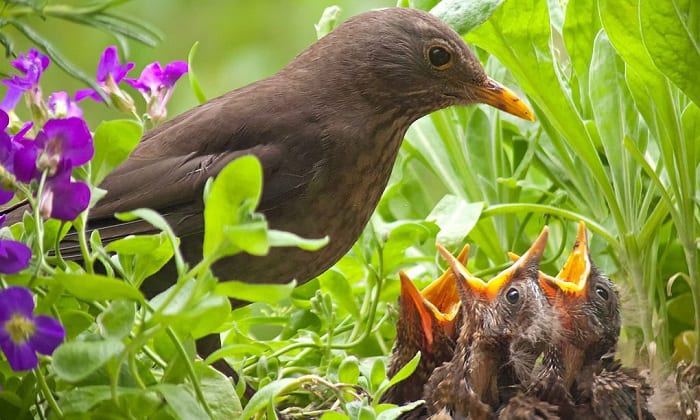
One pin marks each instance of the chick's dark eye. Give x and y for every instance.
(513, 296)
(439, 57)
(600, 291)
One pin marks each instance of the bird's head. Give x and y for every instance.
(427, 317)
(413, 56)
(586, 300)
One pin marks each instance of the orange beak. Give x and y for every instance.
(534, 254)
(573, 277)
(437, 304)
(498, 96)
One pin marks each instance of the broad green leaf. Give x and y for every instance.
(118, 319)
(456, 217)
(269, 293)
(465, 15)
(339, 287)
(673, 41)
(349, 370)
(183, 404)
(136, 245)
(96, 287)
(75, 321)
(519, 35)
(265, 396)
(218, 392)
(83, 398)
(580, 28)
(249, 237)
(278, 238)
(234, 195)
(76, 360)
(114, 141)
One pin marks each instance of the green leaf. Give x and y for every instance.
(83, 398)
(349, 370)
(463, 16)
(96, 287)
(114, 142)
(278, 238)
(403, 373)
(118, 319)
(265, 396)
(194, 81)
(328, 21)
(268, 293)
(183, 404)
(234, 195)
(160, 223)
(672, 37)
(456, 217)
(339, 287)
(218, 392)
(76, 360)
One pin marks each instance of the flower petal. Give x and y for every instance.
(73, 197)
(14, 257)
(15, 300)
(173, 71)
(87, 93)
(20, 356)
(48, 334)
(68, 138)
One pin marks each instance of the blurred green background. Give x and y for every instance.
(239, 41)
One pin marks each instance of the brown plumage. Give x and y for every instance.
(499, 318)
(326, 128)
(427, 324)
(578, 372)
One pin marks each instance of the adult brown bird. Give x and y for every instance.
(502, 316)
(426, 323)
(326, 128)
(579, 373)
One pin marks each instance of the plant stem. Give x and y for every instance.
(47, 392)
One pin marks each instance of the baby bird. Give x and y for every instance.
(427, 324)
(579, 373)
(500, 318)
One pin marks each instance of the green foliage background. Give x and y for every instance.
(616, 144)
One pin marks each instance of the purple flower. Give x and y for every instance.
(61, 106)
(110, 72)
(23, 334)
(17, 158)
(31, 65)
(14, 255)
(66, 139)
(156, 85)
(62, 198)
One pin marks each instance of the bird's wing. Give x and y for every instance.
(168, 170)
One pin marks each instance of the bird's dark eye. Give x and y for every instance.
(513, 296)
(600, 291)
(439, 57)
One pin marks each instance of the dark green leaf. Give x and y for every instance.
(181, 401)
(76, 360)
(96, 287)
